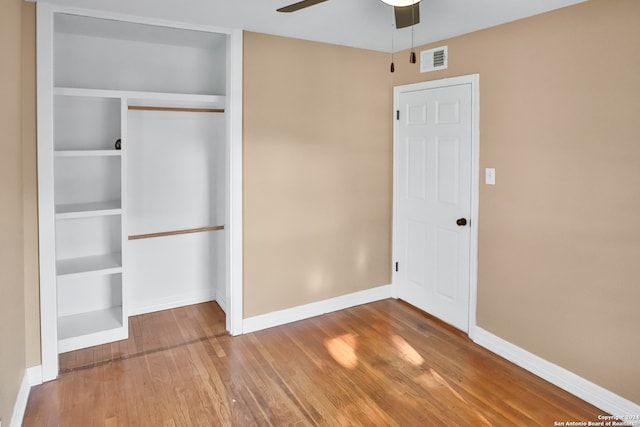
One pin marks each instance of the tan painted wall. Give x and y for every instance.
(317, 172)
(30, 185)
(559, 244)
(12, 317)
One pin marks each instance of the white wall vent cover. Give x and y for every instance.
(434, 59)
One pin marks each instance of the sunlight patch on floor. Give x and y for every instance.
(406, 351)
(343, 350)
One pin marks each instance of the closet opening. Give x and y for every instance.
(135, 151)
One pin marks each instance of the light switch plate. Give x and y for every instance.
(490, 176)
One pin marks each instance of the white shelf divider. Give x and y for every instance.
(86, 210)
(89, 93)
(83, 330)
(87, 153)
(152, 99)
(97, 264)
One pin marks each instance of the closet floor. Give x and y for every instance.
(152, 332)
(380, 364)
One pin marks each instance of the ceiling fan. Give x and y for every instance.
(407, 12)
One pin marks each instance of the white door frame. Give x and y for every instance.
(474, 80)
(46, 216)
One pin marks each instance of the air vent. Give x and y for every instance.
(433, 59)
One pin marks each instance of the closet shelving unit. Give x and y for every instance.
(89, 185)
(93, 69)
(88, 177)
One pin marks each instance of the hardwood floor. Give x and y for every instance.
(152, 332)
(380, 364)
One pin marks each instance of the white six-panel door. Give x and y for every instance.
(433, 200)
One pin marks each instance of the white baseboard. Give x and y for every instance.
(566, 380)
(222, 303)
(171, 302)
(306, 311)
(34, 375)
(21, 402)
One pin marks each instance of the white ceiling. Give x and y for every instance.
(365, 24)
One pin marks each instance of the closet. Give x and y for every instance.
(133, 161)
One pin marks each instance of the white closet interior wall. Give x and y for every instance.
(104, 54)
(176, 181)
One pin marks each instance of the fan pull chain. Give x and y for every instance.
(412, 55)
(393, 67)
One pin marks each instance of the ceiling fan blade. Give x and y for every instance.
(300, 5)
(407, 16)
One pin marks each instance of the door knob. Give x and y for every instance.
(461, 222)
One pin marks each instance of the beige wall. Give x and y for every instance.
(30, 185)
(12, 308)
(317, 172)
(559, 244)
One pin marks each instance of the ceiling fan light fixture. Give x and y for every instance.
(400, 3)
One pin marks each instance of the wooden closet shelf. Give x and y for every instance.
(175, 232)
(181, 109)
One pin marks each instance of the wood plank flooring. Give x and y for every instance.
(152, 332)
(380, 364)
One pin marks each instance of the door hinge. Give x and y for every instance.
(397, 114)
(396, 265)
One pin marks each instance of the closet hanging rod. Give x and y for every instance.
(176, 232)
(180, 109)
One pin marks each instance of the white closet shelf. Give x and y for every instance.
(151, 99)
(87, 153)
(91, 328)
(97, 264)
(85, 210)
(87, 93)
